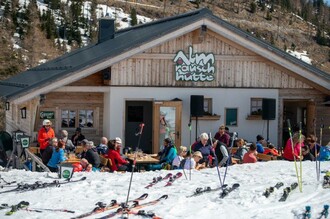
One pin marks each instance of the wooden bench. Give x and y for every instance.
(265, 157)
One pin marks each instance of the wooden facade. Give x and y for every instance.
(235, 66)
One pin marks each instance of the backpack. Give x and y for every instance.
(324, 153)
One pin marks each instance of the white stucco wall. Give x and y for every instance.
(222, 98)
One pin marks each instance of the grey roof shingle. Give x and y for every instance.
(124, 40)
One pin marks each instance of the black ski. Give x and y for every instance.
(200, 191)
(325, 212)
(287, 191)
(226, 191)
(326, 181)
(14, 208)
(271, 189)
(307, 214)
(156, 180)
(39, 185)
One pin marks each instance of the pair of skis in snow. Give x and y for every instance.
(168, 177)
(121, 208)
(39, 185)
(24, 205)
(225, 190)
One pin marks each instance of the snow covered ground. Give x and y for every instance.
(245, 202)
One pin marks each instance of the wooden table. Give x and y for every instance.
(142, 160)
(72, 159)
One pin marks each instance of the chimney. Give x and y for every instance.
(106, 29)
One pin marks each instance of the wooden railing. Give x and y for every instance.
(36, 161)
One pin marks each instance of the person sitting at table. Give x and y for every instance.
(251, 155)
(166, 156)
(69, 146)
(102, 148)
(221, 152)
(192, 162)
(205, 147)
(177, 160)
(118, 163)
(81, 166)
(77, 137)
(241, 149)
(222, 135)
(57, 157)
(259, 144)
(47, 154)
(271, 150)
(90, 153)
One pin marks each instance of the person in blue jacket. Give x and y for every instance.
(205, 147)
(259, 144)
(57, 157)
(166, 156)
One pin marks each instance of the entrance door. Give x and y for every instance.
(166, 123)
(138, 112)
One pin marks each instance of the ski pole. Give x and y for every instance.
(217, 163)
(292, 147)
(190, 148)
(230, 150)
(134, 162)
(300, 157)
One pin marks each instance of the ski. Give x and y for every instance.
(307, 214)
(48, 209)
(287, 191)
(173, 178)
(145, 214)
(39, 185)
(125, 210)
(102, 207)
(272, 189)
(226, 191)
(6, 182)
(326, 181)
(200, 191)
(15, 208)
(158, 179)
(325, 212)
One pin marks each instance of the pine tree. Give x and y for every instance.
(133, 17)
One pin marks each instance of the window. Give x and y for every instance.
(208, 106)
(231, 116)
(256, 106)
(77, 118)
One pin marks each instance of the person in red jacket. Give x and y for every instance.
(118, 163)
(271, 150)
(45, 134)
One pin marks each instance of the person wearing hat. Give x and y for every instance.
(259, 143)
(45, 133)
(77, 137)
